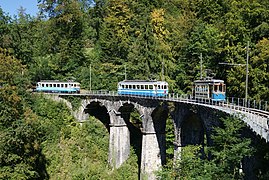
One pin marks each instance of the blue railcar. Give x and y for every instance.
(209, 89)
(51, 86)
(143, 88)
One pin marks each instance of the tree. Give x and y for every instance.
(4, 30)
(22, 35)
(114, 38)
(259, 71)
(65, 29)
(20, 152)
(230, 148)
(11, 69)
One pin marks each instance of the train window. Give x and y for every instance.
(42, 85)
(47, 85)
(165, 87)
(220, 88)
(58, 85)
(62, 85)
(224, 87)
(133, 86)
(159, 87)
(146, 87)
(150, 87)
(66, 85)
(50, 85)
(216, 88)
(142, 86)
(137, 87)
(75, 85)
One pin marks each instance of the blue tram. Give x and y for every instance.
(210, 89)
(143, 88)
(51, 86)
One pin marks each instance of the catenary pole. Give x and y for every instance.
(90, 77)
(246, 95)
(201, 66)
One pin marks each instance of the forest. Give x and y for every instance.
(92, 42)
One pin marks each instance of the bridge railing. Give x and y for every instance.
(250, 103)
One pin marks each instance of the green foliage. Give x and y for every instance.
(229, 148)
(220, 161)
(4, 30)
(75, 102)
(11, 69)
(20, 152)
(82, 153)
(54, 117)
(170, 138)
(259, 71)
(152, 39)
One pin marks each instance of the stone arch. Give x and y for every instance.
(99, 111)
(125, 110)
(189, 127)
(210, 118)
(192, 130)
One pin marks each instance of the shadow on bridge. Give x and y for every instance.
(99, 112)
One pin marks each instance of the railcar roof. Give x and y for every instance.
(142, 82)
(56, 81)
(209, 80)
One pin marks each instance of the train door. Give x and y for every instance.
(210, 91)
(155, 89)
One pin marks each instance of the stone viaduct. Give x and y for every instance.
(192, 123)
